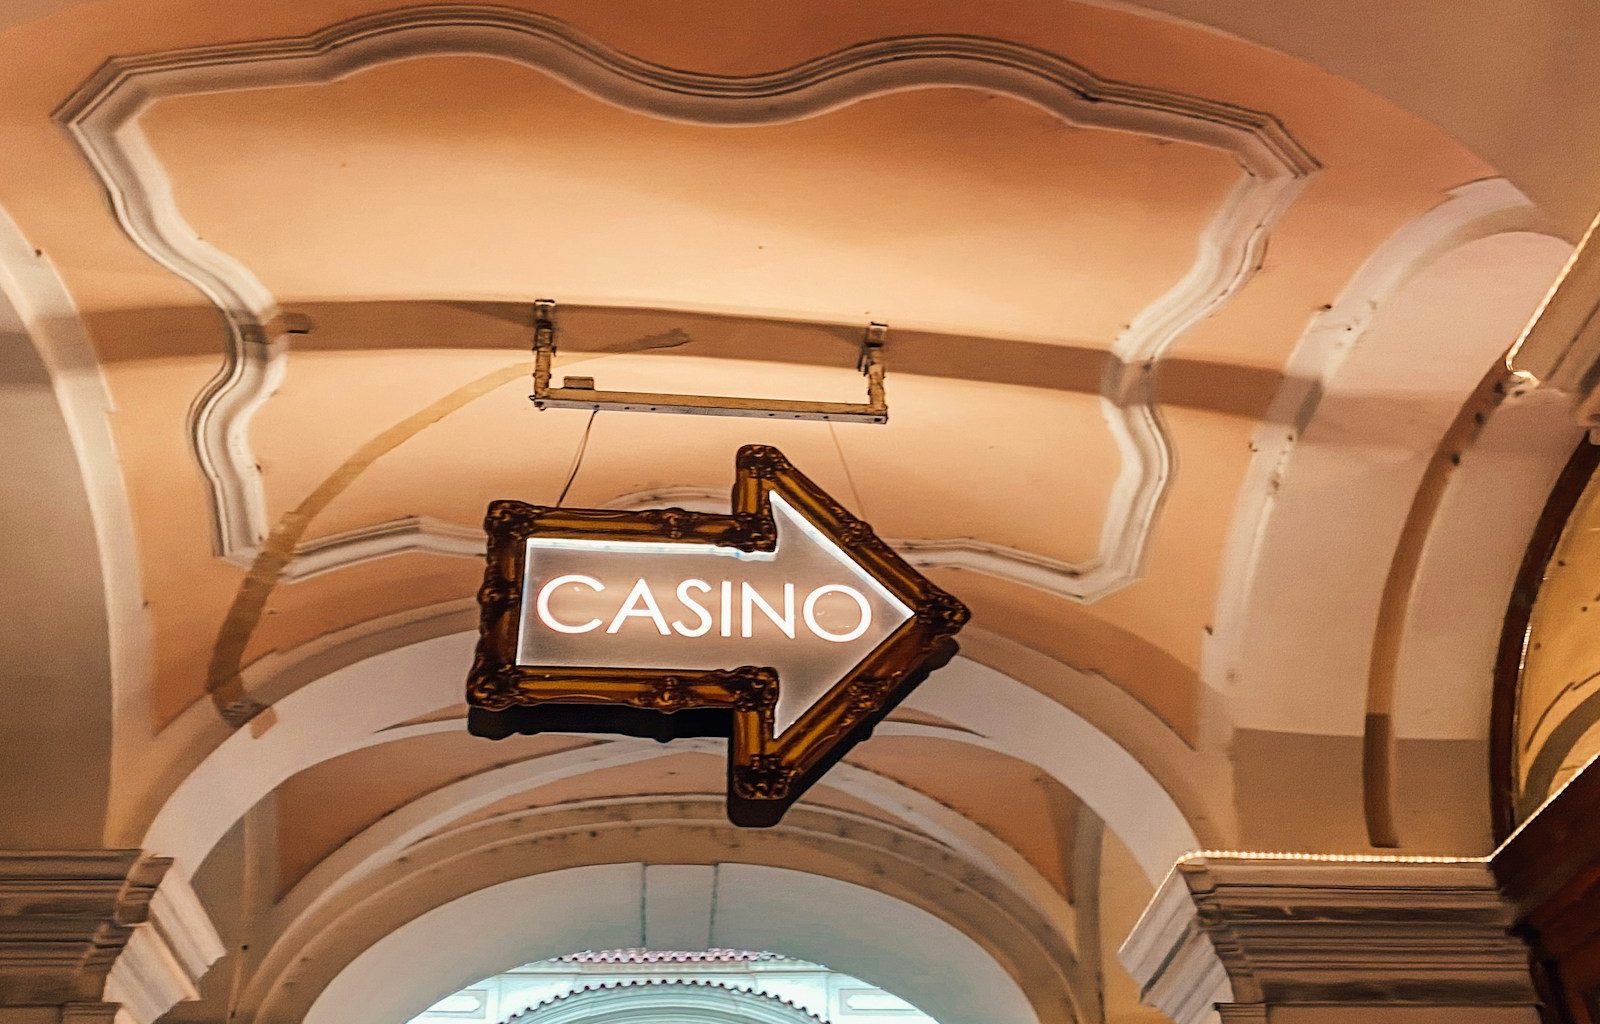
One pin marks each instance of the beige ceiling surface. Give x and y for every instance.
(467, 177)
(412, 211)
(696, 774)
(1075, 635)
(501, 446)
(321, 808)
(1012, 799)
(462, 179)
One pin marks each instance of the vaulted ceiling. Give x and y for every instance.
(1196, 315)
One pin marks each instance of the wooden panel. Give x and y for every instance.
(1550, 870)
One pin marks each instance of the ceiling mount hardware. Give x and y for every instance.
(581, 393)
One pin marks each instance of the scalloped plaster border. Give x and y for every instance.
(103, 117)
(617, 1002)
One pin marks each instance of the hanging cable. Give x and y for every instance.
(849, 477)
(577, 458)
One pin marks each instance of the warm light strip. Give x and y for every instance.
(1328, 858)
(1549, 296)
(1382, 858)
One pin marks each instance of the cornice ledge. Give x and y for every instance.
(1172, 960)
(65, 916)
(1362, 931)
(103, 115)
(164, 960)
(100, 932)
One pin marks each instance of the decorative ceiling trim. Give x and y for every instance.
(407, 535)
(35, 301)
(164, 960)
(427, 535)
(1255, 562)
(103, 117)
(1339, 936)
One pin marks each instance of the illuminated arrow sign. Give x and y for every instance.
(786, 626)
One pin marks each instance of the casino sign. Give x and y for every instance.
(787, 627)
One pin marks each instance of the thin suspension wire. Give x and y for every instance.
(849, 477)
(577, 458)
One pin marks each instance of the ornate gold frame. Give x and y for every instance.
(766, 774)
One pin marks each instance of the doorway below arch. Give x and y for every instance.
(626, 985)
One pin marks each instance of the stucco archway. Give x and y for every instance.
(894, 946)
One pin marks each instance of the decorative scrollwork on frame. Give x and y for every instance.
(869, 694)
(763, 462)
(668, 694)
(764, 777)
(942, 612)
(758, 690)
(753, 532)
(767, 771)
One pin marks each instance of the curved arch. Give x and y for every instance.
(433, 814)
(1465, 573)
(83, 593)
(911, 907)
(319, 721)
(1517, 786)
(1030, 726)
(1261, 553)
(314, 723)
(1337, 473)
(103, 116)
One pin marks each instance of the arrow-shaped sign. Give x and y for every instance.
(787, 626)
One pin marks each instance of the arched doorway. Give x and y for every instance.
(642, 985)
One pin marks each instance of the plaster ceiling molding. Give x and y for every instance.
(103, 117)
(450, 807)
(37, 309)
(164, 960)
(1257, 562)
(1172, 959)
(406, 535)
(664, 1001)
(887, 907)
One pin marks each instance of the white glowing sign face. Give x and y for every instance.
(806, 609)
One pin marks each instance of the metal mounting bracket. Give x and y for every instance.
(580, 392)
